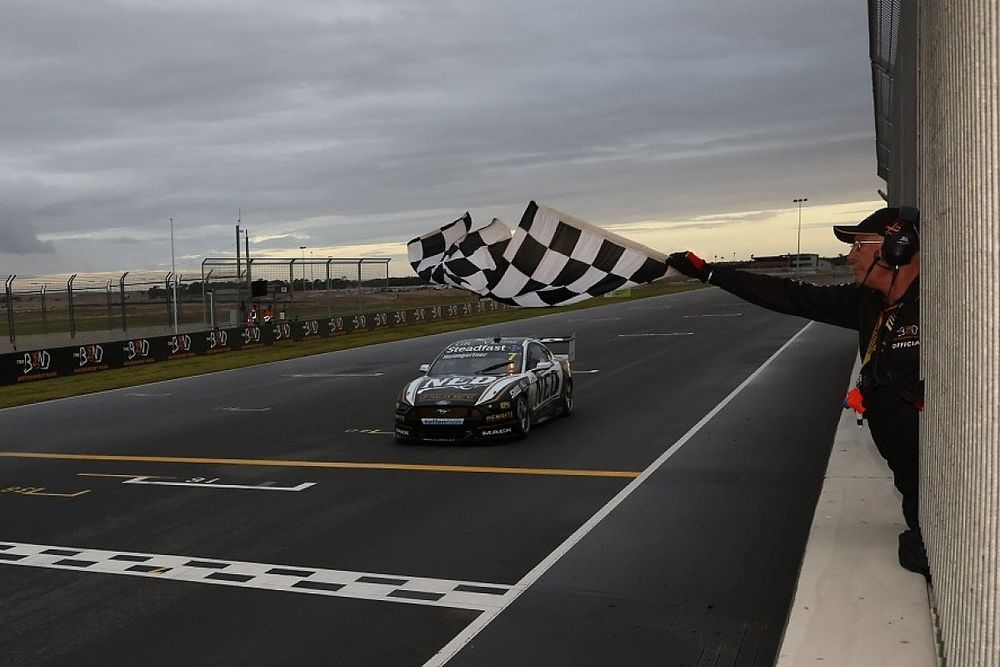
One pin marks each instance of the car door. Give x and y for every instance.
(545, 383)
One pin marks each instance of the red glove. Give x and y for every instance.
(855, 401)
(690, 264)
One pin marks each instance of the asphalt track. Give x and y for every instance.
(266, 516)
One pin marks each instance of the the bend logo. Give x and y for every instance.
(893, 227)
(218, 338)
(89, 354)
(136, 349)
(179, 344)
(39, 360)
(310, 328)
(251, 335)
(283, 331)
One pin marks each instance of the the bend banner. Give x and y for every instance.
(39, 364)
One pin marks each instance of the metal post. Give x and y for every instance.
(178, 299)
(204, 292)
(798, 247)
(211, 308)
(111, 318)
(303, 249)
(45, 312)
(172, 269)
(246, 238)
(166, 288)
(291, 285)
(358, 306)
(329, 294)
(69, 299)
(9, 291)
(239, 268)
(121, 292)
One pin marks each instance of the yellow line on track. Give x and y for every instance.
(348, 465)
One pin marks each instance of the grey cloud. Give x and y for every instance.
(368, 122)
(20, 238)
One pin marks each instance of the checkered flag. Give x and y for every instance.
(553, 259)
(556, 259)
(455, 257)
(426, 253)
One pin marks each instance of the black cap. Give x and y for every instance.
(883, 222)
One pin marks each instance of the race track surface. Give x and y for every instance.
(266, 515)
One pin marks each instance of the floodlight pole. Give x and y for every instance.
(798, 246)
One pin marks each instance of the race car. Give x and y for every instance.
(486, 388)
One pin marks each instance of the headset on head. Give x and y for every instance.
(901, 246)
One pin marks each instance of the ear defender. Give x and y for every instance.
(901, 246)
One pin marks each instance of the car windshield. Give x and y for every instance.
(475, 358)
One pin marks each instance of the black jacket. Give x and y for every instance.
(890, 374)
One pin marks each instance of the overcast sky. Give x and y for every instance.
(354, 126)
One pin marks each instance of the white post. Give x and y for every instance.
(173, 269)
(798, 246)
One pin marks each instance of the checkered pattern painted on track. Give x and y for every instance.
(286, 578)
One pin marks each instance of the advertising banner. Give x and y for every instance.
(41, 364)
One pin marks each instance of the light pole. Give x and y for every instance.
(798, 246)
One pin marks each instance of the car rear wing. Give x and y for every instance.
(557, 343)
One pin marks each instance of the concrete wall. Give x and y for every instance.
(960, 429)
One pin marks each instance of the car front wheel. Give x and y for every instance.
(523, 414)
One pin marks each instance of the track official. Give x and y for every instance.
(883, 306)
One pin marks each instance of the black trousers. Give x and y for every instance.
(896, 433)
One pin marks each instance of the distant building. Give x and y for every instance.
(800, 262)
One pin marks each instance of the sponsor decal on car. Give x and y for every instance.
(497, 431)
(500, 416)
(441, 421)
(457, 382)
(481, 347)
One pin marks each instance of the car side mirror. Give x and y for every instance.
(543, 365)
(424, 368)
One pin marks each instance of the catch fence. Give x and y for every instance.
(225, 292)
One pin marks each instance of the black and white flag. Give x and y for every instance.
(551, 259)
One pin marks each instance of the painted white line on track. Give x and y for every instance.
(333, 375)
(590, 372)
(594, 319)
(144, 395)
(716, 315)
(474, 628)
(645, 335)
(474, 595)
(239, 409)
(212, 485)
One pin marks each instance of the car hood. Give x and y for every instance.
(459, 389)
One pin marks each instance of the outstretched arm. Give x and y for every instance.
(833, 304)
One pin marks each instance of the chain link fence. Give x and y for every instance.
(60, 309)
(235, 291)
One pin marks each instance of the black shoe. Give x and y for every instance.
(912, 555)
